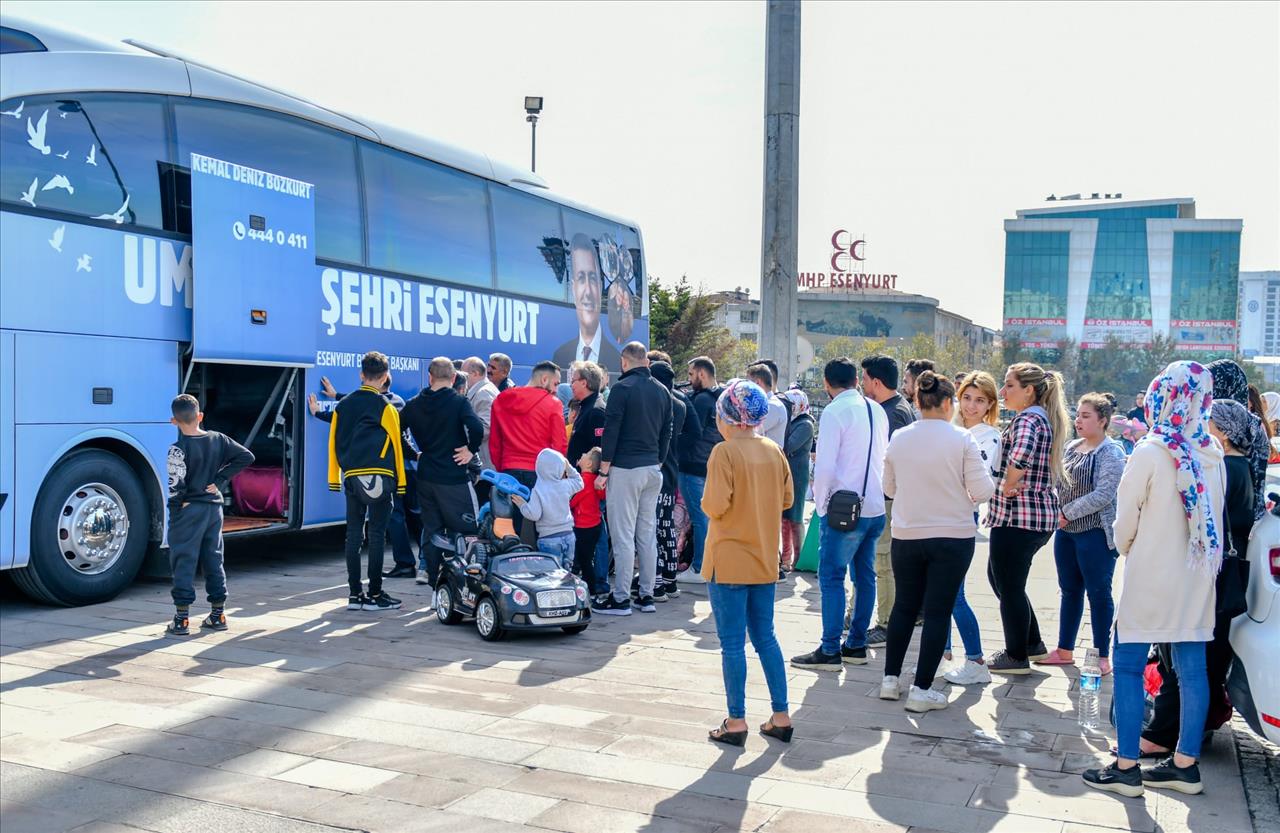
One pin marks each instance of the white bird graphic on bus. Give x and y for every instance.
(56, 240)
(16, 113)
(59, 181)
(35, 134)
(63, 155)
(119, 215)
(29, 196)
(92, 158)
(82, 263)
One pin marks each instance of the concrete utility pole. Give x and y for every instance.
(778, 264)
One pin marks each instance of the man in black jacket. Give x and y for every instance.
(586, 379)
(667, 538)
(637, 433)
(448, 433)
(700, 436)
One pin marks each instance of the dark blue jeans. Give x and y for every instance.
(843, 554)
(602, 552)
(743, 610)
(691, 488)
(1129, 661)
(1085, 566)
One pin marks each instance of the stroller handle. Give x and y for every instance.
(505, 484)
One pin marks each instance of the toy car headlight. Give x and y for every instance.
(582, 592)
(519, 597)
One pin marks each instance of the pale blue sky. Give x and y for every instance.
(922, 126)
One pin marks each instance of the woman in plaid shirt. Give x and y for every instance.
(1024, 511)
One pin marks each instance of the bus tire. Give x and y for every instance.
(89, 531)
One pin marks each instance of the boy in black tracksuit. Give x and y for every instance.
(366, 462)
(201, 465)
(448, 434)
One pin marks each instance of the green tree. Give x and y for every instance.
(666, 305)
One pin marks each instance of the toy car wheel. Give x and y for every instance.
(489, 620)
(574, 629)
(446, 607)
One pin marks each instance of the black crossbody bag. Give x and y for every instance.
(1232, 583)
(845, 507)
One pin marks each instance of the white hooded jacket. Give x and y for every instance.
(548, 505)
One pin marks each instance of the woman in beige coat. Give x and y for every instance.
(1168, 526)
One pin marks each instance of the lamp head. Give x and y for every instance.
(533, 104)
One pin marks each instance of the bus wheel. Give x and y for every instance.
(88, 531)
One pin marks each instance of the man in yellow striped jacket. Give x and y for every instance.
(366, 462)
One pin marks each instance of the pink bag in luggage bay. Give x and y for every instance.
(260, 491)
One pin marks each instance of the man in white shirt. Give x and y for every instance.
(775, 423)
(853, 434)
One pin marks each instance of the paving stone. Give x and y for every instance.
(420, 762)
(22, 818)
(265, 763)
(503, 805)
(1122, 814)
(256, 734)
(797, 821)
(423, 791)
(588, 818)
(335, 775)
(164, 745)
(48, 753)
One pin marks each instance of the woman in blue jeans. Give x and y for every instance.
(1169, 529)
(1083, 546)
(748, 487)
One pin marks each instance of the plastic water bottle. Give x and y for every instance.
(1090, 684)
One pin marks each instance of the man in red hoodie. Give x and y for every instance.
(523, 421)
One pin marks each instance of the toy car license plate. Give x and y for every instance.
(566, 611)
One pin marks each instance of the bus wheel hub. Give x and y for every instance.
(93, 528)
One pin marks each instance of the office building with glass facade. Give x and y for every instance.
(1087, 270)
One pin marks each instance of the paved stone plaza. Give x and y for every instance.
(307, 717)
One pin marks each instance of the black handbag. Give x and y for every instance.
(845, 506)
(1232, 583)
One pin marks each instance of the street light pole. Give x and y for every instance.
(532, 107)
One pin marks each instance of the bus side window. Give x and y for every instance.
(92, 155)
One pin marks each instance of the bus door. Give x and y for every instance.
(253, 326)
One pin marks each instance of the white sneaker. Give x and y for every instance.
(422, 577)
(971, 673)
(889, 689)
(689, 577)
(926, 699)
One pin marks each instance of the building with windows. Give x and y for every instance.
(883, 314)
(738, 313)
(1088, 270)
(1260, 320)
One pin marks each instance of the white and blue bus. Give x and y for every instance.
(420, 249)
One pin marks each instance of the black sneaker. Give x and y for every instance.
(645, 604)
(356, 602)
(609, 606)
(379, 602)
(672, 591)
(1167, 775)
(853, 656)
(1002, 663)
(1037, 652)
(180, 626)
(818, 660)
(1113, 779)
(660, 593)
(215, 621)
(877, 636)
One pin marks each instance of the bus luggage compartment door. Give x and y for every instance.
(253, 266)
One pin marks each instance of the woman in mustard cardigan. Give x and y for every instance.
(748, 487)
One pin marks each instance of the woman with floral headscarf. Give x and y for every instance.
(1229, 382)
(748, 487)
(799, 442)
(1169, 529)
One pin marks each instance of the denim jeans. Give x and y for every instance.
(559, 545)
(398, 532)
(850, 553)
(1085, 565)
(602, 552)
(691, 487)
(967, 623)
(1129, 659)
(743, 610)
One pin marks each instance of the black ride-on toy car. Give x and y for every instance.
(503, 583)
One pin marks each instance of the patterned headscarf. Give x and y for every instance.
(1229, 381)
(1235, 421)
(1177, 409)
(742, 403)
(799, 402)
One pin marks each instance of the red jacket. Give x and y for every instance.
(524, 421)
(586, 503)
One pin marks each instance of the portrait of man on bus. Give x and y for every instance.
(589, 343)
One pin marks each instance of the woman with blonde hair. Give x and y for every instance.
(1025, 509)
(979, 414)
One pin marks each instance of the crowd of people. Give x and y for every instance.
(639, 487)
